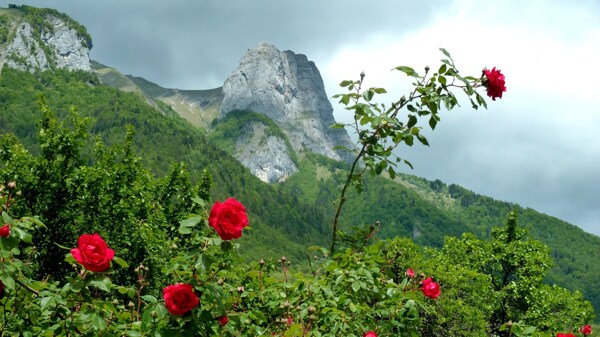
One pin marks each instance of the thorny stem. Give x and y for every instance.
(396, 107)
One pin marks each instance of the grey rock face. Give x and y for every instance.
(289, 89)
(59, 47)
(266, 156)
(70, 51)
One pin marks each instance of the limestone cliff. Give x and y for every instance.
(41, 39)
(287, 88)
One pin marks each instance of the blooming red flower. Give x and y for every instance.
(410, 273)
(430, 288)
(4, 231)
(370, 334)
(494, 82)
(93, 253)
(180, 298)
(289, 321)
(565, 335)
(586, 330)
(228, 219)
(223, 320)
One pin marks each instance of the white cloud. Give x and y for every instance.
(539, 144)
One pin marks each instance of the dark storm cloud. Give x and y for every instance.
(196, 44)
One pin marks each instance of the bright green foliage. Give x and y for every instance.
(281, 223)
(115, 196)
(515, 268)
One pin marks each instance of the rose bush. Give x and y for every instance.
(180, 298)
(93, 253)
(365, 286)
(228, 219)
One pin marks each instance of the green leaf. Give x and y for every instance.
(445, 52)
(481, 101)
(442, 69)
(98, 321)
(442, 80)
(191, 221)
(149, 299)
(346, 83)
(338, 126)
(120, 262)
(412, 121)
(432, 122)
(422, 139)
(345, 99)
(6, 218)
(7, 280)
(26, 237)
(392, 173)
(199, 201)
(408, 163)
(408, 71)
(379, 90)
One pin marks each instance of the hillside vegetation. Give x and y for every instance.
(296, 214)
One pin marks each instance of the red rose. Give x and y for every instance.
(93, 253)
(430, 288)
(494, 82)
(4, 231)
(565, 335)
(370, 334)
(228, 219)
(410, 273)
(223, 320)
(586, 330)
(180, 298)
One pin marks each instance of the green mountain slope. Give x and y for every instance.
(162, 140)
(199, 107)
(427, 211)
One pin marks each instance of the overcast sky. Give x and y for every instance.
(539, 146)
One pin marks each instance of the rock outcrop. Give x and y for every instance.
(52, 42)
(287, 88)
(265, 155)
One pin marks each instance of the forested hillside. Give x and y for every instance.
(281, 223)
(287, 218)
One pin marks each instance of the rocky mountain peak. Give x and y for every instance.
(42, 39)
(287, 88)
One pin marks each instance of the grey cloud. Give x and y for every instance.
(196, 44)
